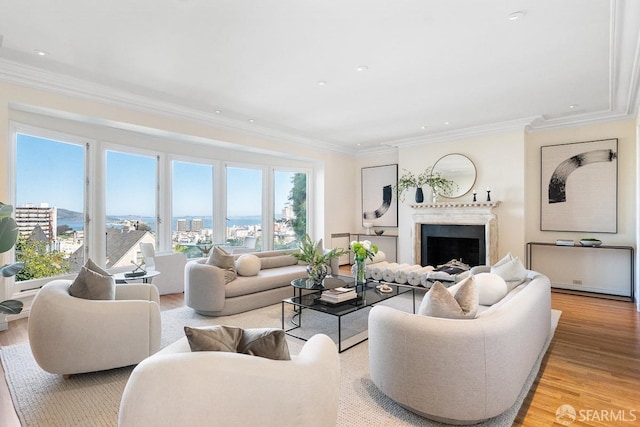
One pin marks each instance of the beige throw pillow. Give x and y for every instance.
(277, 261)
(93, 283)
(224, 260)
(263, 342)
(439, 302)
(216, 338)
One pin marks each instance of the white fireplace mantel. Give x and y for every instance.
(457, 213)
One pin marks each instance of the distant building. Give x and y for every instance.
(30, 217)
(196, 225)
(181, 225)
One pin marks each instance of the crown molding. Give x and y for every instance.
(37, 78)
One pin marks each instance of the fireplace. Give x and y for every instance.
(443, 242)
(446, 231)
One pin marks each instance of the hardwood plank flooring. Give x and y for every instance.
(593, 364)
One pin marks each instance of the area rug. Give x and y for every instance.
(43, 399)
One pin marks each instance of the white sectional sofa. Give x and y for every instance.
(461, 371)
(207, 293)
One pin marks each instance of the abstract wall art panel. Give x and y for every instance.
(379, 201)
(579, 187)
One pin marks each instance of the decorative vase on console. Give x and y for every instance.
(419, 195)
(361, 252)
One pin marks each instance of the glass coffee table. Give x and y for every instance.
(367, 296)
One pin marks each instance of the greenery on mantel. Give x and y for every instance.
(439, 185)
(8, 238)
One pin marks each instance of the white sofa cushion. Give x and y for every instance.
(460, 302)
(248, 265)
(511, 269)
(491, 288)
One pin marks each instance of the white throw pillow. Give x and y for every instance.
(248, 265)
(512, 271)
(491, 288)
(441, 302)
(378, 257)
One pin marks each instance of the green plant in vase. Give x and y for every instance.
(362, 251)
(317, 259)
(439, 185)
(8, 238)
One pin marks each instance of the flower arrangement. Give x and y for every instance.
(363, 250)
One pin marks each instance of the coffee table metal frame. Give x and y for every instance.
(368, 296)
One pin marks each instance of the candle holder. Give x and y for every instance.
(488, 195)
(474, 197)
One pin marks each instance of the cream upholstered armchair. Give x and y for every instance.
(170, 265)
(70, 335)
(178, 387)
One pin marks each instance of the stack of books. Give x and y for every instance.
(338, 295)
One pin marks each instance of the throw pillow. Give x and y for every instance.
(215, 338)
(248, 265)
(512, 271)
(265, 342)
(491, 288)
(277, 261)
(224, 260)
(439, 302)
(93, 283)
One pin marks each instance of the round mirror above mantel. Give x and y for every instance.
(459, 169)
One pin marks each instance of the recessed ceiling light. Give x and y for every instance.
(362, 68)
(573, 106)
(251, 120)
(40, 52)
(446, 123)
(218, 111)
(423, 127)
(322, 83)
(515, 15)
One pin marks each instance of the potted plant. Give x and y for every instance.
(438, 184)
(8, 238)
(410, 180)
(317, 259)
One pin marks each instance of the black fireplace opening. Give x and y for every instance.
(443, 242)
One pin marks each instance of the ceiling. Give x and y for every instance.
(356, 76)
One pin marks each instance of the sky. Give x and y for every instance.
(53, 172)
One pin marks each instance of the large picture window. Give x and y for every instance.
(289, 208)
(50, 206)
(131, 199)
(244, 207)
(192, 208)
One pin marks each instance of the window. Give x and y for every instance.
(289, 209)
(131, 199)
(192, 208)
(244, 205)
(49, 207)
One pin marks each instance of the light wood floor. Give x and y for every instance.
(593, 364)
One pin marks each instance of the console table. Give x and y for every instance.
(607, 270)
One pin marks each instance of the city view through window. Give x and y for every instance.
(50, 206)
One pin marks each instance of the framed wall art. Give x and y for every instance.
(579, 187)
(379, 201)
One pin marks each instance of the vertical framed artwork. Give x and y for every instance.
(579, 187)
(379, 203)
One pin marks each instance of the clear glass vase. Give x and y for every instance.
(359, 271)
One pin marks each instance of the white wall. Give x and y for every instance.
(499, 163)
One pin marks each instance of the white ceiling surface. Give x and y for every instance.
(429, 62)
